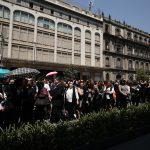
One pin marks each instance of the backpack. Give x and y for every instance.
(42, 98)
(43, 93)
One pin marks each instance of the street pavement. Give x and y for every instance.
(139, 143)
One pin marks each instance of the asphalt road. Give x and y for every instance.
(140, 143)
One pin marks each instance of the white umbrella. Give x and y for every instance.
(23, 72)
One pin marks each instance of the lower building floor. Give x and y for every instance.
(84, 72)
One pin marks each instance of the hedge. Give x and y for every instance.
(92, 128)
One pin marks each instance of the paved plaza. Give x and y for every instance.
(140, 143)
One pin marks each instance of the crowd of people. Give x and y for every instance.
(26, 100)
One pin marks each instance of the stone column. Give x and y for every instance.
(35, 38)
(55, 47)
(10, 33)
(93, 48)
(82, 46)
(101, 49)
(73, 45)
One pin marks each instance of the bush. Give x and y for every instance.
(92, 128)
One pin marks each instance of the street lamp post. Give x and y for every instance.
(1, 49)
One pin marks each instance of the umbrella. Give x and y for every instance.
(23, 72)
(51, 73)
(3, 72)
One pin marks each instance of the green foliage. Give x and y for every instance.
(142, 75)
(71, 72)
(91, 128)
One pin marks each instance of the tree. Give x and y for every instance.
(71, 72)
(142, 75)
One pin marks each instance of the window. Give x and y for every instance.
(129, 50)
(118, 48)
(107, 62)
(137, 65)
(64, 28)
(141, 39)
(97, 37)
(117, 32)
(146, 66)
(52, 12)
(118, 63)
(41, 8)
(107, 45)
(18, 1)
(87, 34)
(70, 18)
(107, 77)
(145, 40)
(129, 35)
(77, 32)
(4, 12)
(31, 19)
(88, 23)
(60, 14)
(31, 5)
(142, 65)
(106, 28)
(24, 17)
(130, 65)
(46, 23)
(17, 16)
(135, 37)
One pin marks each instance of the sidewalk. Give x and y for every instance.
(140, 143)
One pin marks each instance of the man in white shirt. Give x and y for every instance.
(72, 99)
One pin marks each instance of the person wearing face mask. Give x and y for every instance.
(72, 98)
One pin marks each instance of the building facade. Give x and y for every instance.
(53, 34)
(126, 50)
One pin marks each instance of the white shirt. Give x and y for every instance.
(47, 87)
(69, 94)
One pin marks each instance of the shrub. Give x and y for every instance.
(91, 128)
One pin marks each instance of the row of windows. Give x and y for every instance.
(28, 18)
(25, 17)
(119, 64)
(130, 50)
(56, 13)
(137, 38)
(130, 35)
(50, 24)
(45, 55)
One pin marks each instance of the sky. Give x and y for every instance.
(134, 12)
